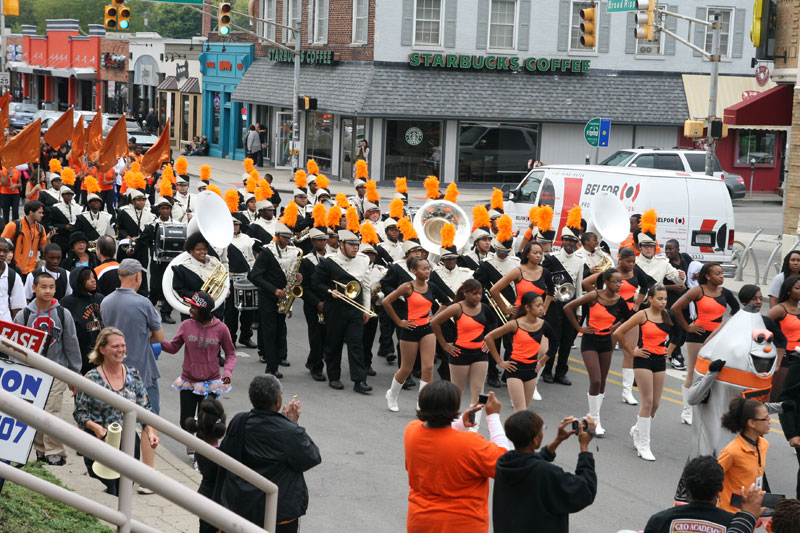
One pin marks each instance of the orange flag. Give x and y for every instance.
(23, 147)
(5, 99)
(4, 125)
(159, 153)
(78, 141)
(61, 130)
(94, 136)
(114, 146)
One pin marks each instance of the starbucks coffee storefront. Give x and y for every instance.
(467, 118)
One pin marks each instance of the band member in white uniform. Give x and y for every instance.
(64, 214)
(481, 248)
(376, 274)
(190, 274)
(160, 264)
(263, 228)
(344, 324)
(183, 197)
(94, 222)
(131, 221)
(313, 304)
(591, 253)
(241, 258)
(359, 200)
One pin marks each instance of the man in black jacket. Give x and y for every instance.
(530, 489)
(268, 440)
(790, 420)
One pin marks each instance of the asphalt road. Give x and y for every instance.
(362, 485)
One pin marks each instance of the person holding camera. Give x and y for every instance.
(529, 488)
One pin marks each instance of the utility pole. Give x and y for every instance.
(716, 25)
(298, 36)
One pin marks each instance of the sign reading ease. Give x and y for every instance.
(510, 63)
(310, 57)
(621, 5)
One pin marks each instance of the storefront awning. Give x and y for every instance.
(191, 86)
(398, 91)
(169, 84)
(81, 73)
(20, 66)
(731, 91)
(770, 109)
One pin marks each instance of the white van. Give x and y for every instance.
(695, 210)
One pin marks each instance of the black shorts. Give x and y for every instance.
(416, 334)
(698, 337)
(597, 343)
(524, 371)
(468, 356)
(654, 363)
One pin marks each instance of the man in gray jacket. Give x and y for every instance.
(61, 346)
(252, 143)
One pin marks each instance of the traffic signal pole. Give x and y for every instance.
(295, 108)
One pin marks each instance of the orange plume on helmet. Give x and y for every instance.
(342, 201)
(372, 192)
(167, 174)
(480, 217)
(216, 190)
(396, 208)
(368, 234)
(231, 198)
(451, 194)
(55, 165)
(252, 181)
(544, 220)
(574, 218)
(313, 167)
(334, 216)
(322, 181)
(407, 229)
(181, 165)
(92, 185)
(448, 234)
(504, 228)
(319, 215)
(67, 175)
(205, 172)
(351, 215)
(165, 189)
(401, 185)
(263, 190)
(136, 167)
(300, 178)
(648, 222)
(290, 215)
(431, 185)
(361, 170)
(533, 214)
(496, 201)
(248, 165)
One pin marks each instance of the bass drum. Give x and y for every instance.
(170, 238)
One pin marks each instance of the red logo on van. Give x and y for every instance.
(629, 192)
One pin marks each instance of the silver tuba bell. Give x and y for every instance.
(430, 218)
(213, 220)
(609, 218)
(564, 290)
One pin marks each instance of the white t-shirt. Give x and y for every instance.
(29, 284)
(775, 286)
(17, 299)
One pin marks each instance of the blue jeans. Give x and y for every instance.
(155, 397)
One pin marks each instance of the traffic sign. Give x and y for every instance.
(605, 132)
(5, 79)
(621, 5)
(597, 132)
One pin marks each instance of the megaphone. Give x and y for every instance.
(609, 219)
(113, 437)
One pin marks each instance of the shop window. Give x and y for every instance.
(268, 12)
(496, 152)
(646, 48)
(215, 116)
(428, 23)
(195, 105)
(185, 117)
(575, 27)
(413, 149)
(502, 24)
(321, 21)
(756, 146)
(360, 21)
(319, 139)
(293, 16)
(726, 17)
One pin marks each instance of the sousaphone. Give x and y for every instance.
(609, 219)
(430, 218)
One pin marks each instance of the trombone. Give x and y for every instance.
(351, 292)
(503, 318)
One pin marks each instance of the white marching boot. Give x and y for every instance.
(392, 394)
(635, 433)
(627, 387)
(643, 447)
(595, 403)
(686, 412)
(536, 396)
(422, 385)
(477, 425)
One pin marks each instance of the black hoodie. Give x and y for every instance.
(532, 494)
(85, 310)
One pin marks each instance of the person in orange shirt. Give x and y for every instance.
(31, 238)
(9, 194)
(744, 458)
(449, 469)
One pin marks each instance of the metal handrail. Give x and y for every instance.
(748, 250)
(131, 412)
(776, 251)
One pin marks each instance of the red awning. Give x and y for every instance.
(770, 108)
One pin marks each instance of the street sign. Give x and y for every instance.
(621, 5)
(5, 78)
(605, 132)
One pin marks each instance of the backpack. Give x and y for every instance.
(18, 231)
(12, 278)
(26, 315)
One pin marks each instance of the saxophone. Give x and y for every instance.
(293, 290)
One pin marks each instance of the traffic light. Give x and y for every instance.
(224, 19)
(588, 27)
(124, 19)
(307, 103)
(645, 20)
(110, 19)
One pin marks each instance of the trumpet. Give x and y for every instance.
(503, 318)
(604, 264)
(351, 292)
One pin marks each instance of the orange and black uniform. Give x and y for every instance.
(600, 318)
(470, 331)
(420, 310)
(542, 286)
(638, 282)
(525, 350)
(654, 338)
(790, 328)
(710, 311)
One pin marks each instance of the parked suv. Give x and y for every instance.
(679, 160)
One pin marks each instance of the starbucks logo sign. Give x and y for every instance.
(413, 136)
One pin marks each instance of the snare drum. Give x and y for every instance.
(245, 295)
(170, 238)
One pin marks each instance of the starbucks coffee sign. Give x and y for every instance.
(489, 62)
(413, 136)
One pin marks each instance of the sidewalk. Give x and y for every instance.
(150, 509)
